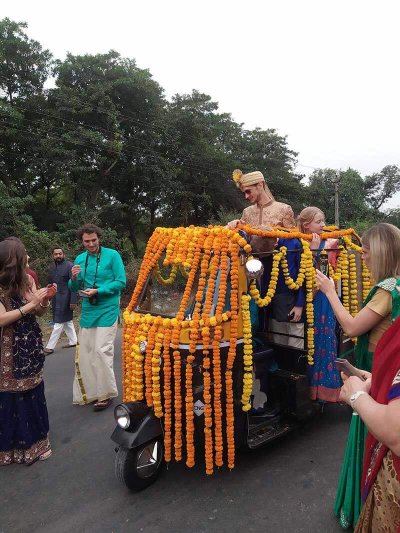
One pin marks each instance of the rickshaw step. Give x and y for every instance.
(268, 431)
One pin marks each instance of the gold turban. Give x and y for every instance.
(252, 178)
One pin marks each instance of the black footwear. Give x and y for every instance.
(102, 404)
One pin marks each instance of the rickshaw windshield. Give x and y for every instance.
(162, 297)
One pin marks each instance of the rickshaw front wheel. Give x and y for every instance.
(139, 467)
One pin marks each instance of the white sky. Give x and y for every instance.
(324, 73)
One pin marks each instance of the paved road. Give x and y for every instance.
(286, 487)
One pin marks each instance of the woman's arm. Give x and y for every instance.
(363, 322)
(9, 317)
(383, 421)
(43, 303)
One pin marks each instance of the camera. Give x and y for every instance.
(93, 299)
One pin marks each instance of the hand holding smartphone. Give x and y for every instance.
(75, 271)
(348, 369)
(83, 294)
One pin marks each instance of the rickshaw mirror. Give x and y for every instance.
(254, 269)
(142, 347)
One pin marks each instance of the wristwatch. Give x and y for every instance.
(354, 397)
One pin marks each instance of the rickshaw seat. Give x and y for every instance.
(259, 354)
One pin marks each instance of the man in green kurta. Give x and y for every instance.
(98, 274)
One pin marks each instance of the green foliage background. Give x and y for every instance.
(104, 145)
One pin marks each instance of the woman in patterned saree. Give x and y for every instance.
(324, 377)
(377, 403)
(24, 423)
(381, 252)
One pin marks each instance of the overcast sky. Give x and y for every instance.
(326, 74)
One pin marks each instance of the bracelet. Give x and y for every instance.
(354, 397)
(44, 306)
(22, 312)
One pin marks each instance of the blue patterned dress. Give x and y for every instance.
(324, 376)
(24, 423)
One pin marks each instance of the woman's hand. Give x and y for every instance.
(325, 284)
(37, 297)
(367, 375)
(51, 290)
(315, 242)
(352, 384)
(296, 314)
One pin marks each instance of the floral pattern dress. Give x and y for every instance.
(324, 376)
(24, 423)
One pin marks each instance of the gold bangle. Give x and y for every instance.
(22, 312)
(44, 306)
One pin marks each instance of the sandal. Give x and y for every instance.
(45, 455)
(101, 405)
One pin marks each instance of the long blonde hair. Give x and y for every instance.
(383, 242)
(306, 216)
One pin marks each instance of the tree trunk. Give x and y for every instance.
(130, 222)
(48, 197)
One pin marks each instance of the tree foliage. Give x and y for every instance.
(103, 144)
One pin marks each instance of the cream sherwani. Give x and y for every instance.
(270, 214)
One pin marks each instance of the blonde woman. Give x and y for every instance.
(381, 252)
(324, 376)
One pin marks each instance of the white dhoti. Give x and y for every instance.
(94, 365)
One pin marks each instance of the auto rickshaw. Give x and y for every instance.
(194, 361)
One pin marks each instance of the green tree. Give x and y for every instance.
(24, 65)
(267, 151)
(381, 186)
(198, 142)
(352, 203)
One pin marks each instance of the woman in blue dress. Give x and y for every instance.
(324, 376)
(24, 423)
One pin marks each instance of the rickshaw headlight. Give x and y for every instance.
(122, 416)
(254, 269)
(142, 347)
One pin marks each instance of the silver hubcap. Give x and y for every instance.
(149, 459)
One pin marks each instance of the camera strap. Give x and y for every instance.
(97, 267)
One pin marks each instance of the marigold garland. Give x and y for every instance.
(289, 281)
(168, 281)
(201, 255)
(230, 415)
(345, 276)
(353, 284)
(255, 293)
(167, 391)
(247, 353)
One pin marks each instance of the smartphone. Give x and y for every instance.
(83, 294)
(324, 264)
(348, 369)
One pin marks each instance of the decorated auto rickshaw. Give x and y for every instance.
(193, 357)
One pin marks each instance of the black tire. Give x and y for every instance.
(139, 468)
